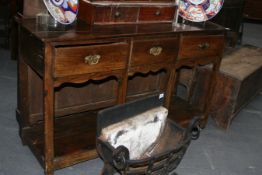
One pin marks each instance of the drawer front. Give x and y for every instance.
(200, 46)
(124, 14)
(90, 59)
(102, 15)
(157, 13)
(116, 14)
(150, 51)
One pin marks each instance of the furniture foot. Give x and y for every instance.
(107, 170)
(203, 122)
(23, 141)
(49, 172)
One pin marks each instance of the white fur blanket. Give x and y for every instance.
(139, 133)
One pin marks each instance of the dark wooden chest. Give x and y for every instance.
(239, 79)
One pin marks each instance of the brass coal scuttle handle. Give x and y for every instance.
(92, 59)
(157, 50)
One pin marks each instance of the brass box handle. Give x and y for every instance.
(92, 59)
(204, 46)
(157, 50)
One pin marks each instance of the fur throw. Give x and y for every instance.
(139, 133)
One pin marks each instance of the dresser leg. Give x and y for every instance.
(207, 108)
(203, 122)
(107, 170)
(170, 87)
(49, 172)
(122, 86)
(48, 112)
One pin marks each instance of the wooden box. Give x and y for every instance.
(121, 12)
(239, 80)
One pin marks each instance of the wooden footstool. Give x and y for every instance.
(239, 80)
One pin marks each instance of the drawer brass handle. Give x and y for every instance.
(156, 50)
(92, 59)
(204, 46)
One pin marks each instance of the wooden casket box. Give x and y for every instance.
(117, 12)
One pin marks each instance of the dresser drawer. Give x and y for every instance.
(116, 14)
(200, 46)
(157, 13)
(150, 51)
(124, 14)
(90, 58)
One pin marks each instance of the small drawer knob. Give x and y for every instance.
(204, 46)
(92, 59)
(158, 13)
(117, 14)
(157, 50)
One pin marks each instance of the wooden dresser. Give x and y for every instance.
(67, 74)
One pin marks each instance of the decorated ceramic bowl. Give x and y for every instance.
(63, 11)
(199, 10)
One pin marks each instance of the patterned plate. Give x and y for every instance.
(199, 10)
(64, 11)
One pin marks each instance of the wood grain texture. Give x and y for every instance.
(230, 94)
(157, 13)
(141, 51)
(120, 12)
(102, 14)
(194, 46)
(33, 51)
(48, 110)
(71, 60)
(124, 14)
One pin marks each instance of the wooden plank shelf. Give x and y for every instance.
(74, 137)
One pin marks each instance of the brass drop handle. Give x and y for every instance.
(157, 50)
(204, 46)
(92, 59)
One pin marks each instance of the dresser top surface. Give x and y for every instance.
(83, 31)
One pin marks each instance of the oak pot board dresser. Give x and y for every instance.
(66, 74)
